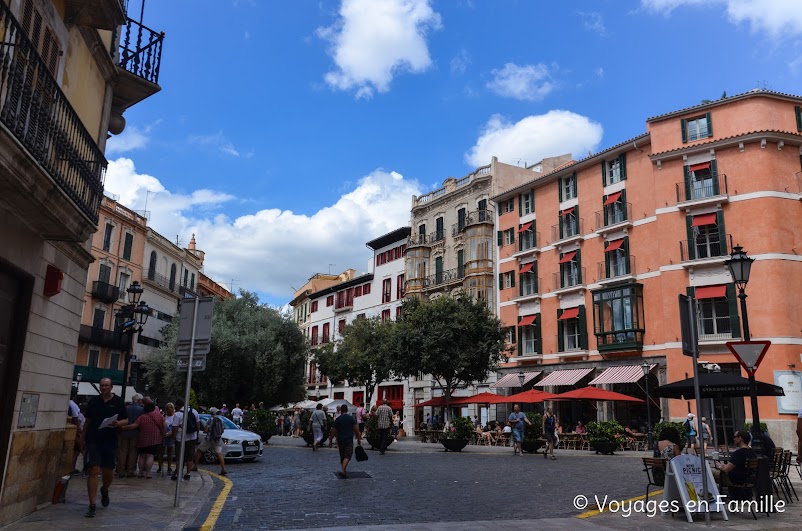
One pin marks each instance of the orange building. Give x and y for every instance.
(208, 287)
(593, 255)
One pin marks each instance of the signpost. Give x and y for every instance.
(749, 353)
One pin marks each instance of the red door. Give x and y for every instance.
(359, 397)
(394, 394)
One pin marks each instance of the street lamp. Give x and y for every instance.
(646, 369)
(521, 378)
(130, 320)
(740, 266)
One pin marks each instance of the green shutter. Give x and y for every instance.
(709, 125)
(512, 332)
(538, 335)
(583, 328)
(560, 188)
(622, 159)
(579, 265)
(534, 233)
(560, 339)
(500, 236)
(561, 219)
(129, 241)
(604, 172)
(624, 203)
(687, 176)
(798, 110)
(574, 184)
(690, 291)
(691, 240)
(520, 204)
(532, 200)
(606, 262)
(722, 233)
(512, 278)
(714, 173)
(578, 224)
(626, 251)
(512, 235)
(604, 209)
(735, 322)
(501, 281)
(520, 239)
(684, 125)
(520, 285)
(460, 255)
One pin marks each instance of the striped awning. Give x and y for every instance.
(564, 377)
(620, 374)
(511, 380)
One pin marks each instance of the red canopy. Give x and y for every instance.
(481, 398)
(594, 393)
(438, 401)
(532, 396)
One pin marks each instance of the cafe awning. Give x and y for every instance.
(620, 374)
(512, 380)
(564, 377)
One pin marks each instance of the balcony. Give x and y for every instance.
(711, 249)
(478, 217)
(615, 219)
(619, 269)
(571, 232)
(319, 340)
(529, 291)
(437, 238)
(187, 293)
(99, 14)
(53, 168)
(103, 338)
(418, 240)
(699, 192)
(621, 341)
(443, 279)
(95, 374)
(569, 281)
(160, 281)
(105, 292)
(527, 245)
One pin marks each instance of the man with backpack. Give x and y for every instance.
(213, 440)
(691, 433)
(188, 439)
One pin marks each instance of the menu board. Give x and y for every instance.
(686, 469)
(791, 382)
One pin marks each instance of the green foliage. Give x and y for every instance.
(193, 399)
(361, 356)
(257, 354)
(535, 431)
(457, 341)
(372, 426)
(461, 428)
(763, 427)
(260, 421)
(605, 431)
(674, 426)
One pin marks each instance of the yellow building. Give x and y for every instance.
(70, 69)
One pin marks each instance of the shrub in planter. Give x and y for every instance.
(458, 434)
(605, 436)
(533, 435)
(372, 432)
(260, 421)
(677, 427)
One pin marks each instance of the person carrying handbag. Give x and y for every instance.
(318, 424)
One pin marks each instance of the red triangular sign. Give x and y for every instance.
(749, 353)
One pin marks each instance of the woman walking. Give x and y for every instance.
(151, 432)
(168, 443)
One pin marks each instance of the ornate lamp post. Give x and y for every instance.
(131, 318)
(646, 369)
(521, 378)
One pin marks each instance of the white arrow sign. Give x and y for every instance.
(749, 353)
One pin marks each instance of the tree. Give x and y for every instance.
(456, 340)
(361, 356)
(257, 354)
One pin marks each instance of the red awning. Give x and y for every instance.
(569, 313)
(527, 320)
(567, 211)
(702, 166)
(704, 219)
(525, 227)
(614, 245)
(567, 257)
(526, 268)
(711, 292)
(612, 198)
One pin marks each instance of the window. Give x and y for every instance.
(438, 270)
(326, 332)
(422, 233)
(387, 290)
(358, 291)
(570, 270)
(482, 207)
(94, 357)
(615, 208)
(104, 273)
(509, 236)
(701, 180)
(124, 278)
(528, 280)
(529, 335)
(526, 236)
(329, 302)
(360, 316)
(526, 202)
(114, 361)
(192, 282)
(696, 128)
(107, 234)
(314, 305)
(399, 287)
(385, 315)
(186, 277)
(567, 186)
(509, 335)
(571, 329)
(365, 289)
(340, 326)
(173, 273)
(148, 341)
(439, 231)
(508, 206)
(528, 341)
(460, 219)
(706, 236)
(129, 243)
(569, 222)
(798, 111)
(98, 317)
(618, 317)
(506, 280)
(717, 311)
(397, 312)
(615, 170)
(152, 268)
(616, 258)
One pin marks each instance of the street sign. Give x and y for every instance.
(687, 313)
(203, 326)
(749, 353)
(201, 348)
(198, 363)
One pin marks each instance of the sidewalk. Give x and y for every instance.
(135, 504)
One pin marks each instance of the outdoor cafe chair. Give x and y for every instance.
(655, 468)
(785, 481)
(746, 490)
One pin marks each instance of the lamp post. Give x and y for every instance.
(130, 320)
(521, 378)
(646, 369)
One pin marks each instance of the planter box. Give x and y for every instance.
(532, 446)
(374, 441)
(604, 447)
(454, 445)
(309, 437)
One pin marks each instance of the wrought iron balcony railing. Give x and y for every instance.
(567, 229)
(39, 115)
(417, 240)
(442, 278)
(613, 215)
(479, 216)
(161, 281)
(695, 189)
(569, 279)
(140, 51)
(105, 291)
(616, 268)
(709, 246)
(104, 338)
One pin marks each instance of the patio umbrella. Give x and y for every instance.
(717, 385)
(438, 401)
(481, 398)
(594, 393)
(532, 396)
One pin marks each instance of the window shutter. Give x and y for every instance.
(560, 189)
(512, 235)
(625, 246)
(604, 173)
(531, 201)
(622, 161)
(520, 204)
(560, 338)
(798, 110)
(722, 233)
(512, 332)
(687, 178)
(691, 240)
(735, 322)
(500, 236)
(520, 285)
(583, 328)
(606, 262)
(129, 242)
(534, 233)
(709, 125)
(538, 336)
(604, 209)
(579, 265)
(714, 173)
(520, 240)
(574, 184)
(512, 279)
(684, 126)
(576, 217)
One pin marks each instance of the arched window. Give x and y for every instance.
(152, 267)
(172, 278)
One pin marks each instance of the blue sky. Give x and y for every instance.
(287, 134)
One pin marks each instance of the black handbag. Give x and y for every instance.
(360, 453)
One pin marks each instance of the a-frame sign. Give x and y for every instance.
(749, 353)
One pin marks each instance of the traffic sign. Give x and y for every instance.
(203, 321)
(198, 363)
(749, 353)
(201, 348)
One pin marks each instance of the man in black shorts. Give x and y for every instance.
(345, 427)
(100, 445)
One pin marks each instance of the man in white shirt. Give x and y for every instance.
(190, 441)
(236, 415)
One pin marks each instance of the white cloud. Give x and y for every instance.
(373, 40)
(593, 22)
(599, 72)
(270, 250)
(535, 137)
(460, 62)
(130, 139)
(217, 141)
(778, 18)
(528, 82)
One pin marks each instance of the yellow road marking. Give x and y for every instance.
(217, 508)
(594, 512)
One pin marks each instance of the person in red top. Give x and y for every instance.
(152, 430)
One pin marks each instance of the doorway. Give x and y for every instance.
(729, 413)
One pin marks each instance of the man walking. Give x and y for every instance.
(213, 440)
(384, 418)
(188, 439)
(127, 453)
(549, 431)
(236, 415)
(345, 428)
(516, 422)
(104, 414)
(318, 422)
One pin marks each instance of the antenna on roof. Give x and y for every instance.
(330, 268)
(231, 285)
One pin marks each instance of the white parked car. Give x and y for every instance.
(238, 445)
